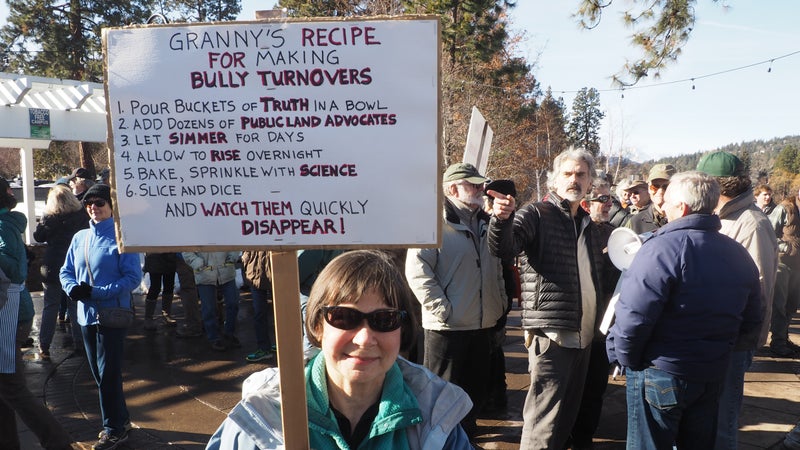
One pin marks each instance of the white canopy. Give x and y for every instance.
(37, 110)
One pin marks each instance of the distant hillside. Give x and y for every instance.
(758, 155)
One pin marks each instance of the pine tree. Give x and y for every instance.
(788, 159)
(63, 40)
(200, 10)
(662, 29)
(472, 30)
(584, 124)
(341, 8)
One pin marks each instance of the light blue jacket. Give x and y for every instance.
(418, 410)
(114, 274)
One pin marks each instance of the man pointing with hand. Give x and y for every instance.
(561, 293)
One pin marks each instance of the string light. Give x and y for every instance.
(721, 72)
(663, 83)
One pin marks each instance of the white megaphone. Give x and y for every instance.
(622, 247)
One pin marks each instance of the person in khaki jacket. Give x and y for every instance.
(461, 289)
(212, 270)
(744, 222)
(258, 275)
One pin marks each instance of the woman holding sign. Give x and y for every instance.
(360, 393)
(97, 276)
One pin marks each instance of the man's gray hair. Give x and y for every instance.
(570, 154)
(446, 186)
(601, 180)
(698, 190)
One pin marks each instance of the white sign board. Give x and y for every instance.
(275, 134)
(479, 142)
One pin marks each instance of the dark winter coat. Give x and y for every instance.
(57, 231)
(160, 262)
(546, 233)
(617, 214)
(646, 220)
(791, 233)
(689, 293)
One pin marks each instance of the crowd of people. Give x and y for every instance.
(404, 350)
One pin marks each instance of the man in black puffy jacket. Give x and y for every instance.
(561, 290)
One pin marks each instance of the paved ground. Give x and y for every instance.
(179, 390)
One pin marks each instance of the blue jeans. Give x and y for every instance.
(665, 410)
(208, 305)
(53, 298)
(104, 350)
(263, 318)
(792, 438)
(730, 399)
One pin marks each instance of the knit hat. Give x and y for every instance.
(463, 171)
(721, 164)
(102, 191)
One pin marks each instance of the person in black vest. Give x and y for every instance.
(562, 292)
(598, 204)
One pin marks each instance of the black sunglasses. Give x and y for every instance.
(99, 203)
(600, 198)
(381, 320)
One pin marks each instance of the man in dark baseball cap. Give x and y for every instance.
(745, 223)
(80, 172)
(80, 181)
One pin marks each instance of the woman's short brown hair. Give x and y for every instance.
(762, 188)
(349, 276)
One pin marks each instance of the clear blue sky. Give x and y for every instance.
(650, 122)
(672, 119)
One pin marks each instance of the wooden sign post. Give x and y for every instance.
(286, 292)
(277, 135)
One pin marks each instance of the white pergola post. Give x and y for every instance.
(28, 196)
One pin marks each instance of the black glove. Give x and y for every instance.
(81, 292)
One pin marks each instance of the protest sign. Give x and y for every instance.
(479, 141)
(282, 134)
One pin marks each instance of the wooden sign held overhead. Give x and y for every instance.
(479, 141)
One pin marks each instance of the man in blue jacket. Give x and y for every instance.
(679, 313)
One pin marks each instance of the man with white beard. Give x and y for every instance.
(562, 293)
(461, 289)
